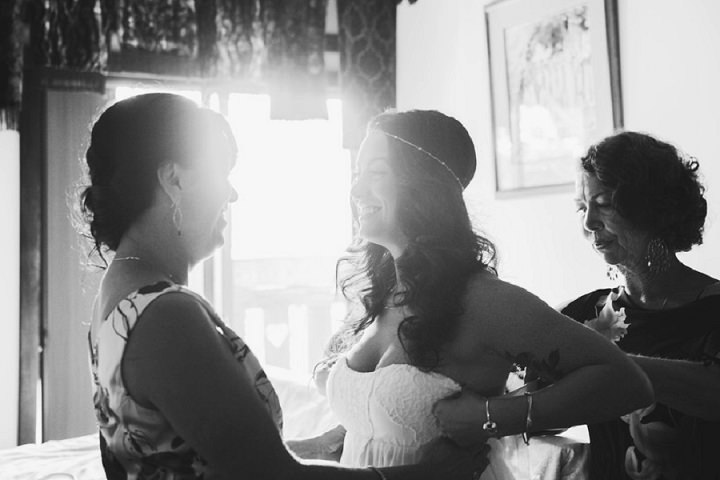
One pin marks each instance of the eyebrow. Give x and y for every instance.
(591, 199)
(582, 199)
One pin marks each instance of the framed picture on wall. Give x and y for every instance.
(555, 87)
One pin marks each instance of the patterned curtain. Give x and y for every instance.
(367, 63)
(231, 40)
(65, 33)
(12, 40)
(296, 59)
(278, 43)
(159, 37)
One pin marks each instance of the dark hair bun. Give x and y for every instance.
(129, 142)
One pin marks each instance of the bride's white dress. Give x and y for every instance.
(388, 416)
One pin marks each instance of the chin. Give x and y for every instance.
(211, 247)
(217, 243)
(377, 240)
(367, 236)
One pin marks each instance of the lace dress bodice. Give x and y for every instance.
(387, 412)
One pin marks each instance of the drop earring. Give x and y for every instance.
(177, 217)
(657, 256)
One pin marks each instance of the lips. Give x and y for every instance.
(365, 210)
(222, 221)
(602, 244)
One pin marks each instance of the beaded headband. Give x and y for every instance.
(420, 149)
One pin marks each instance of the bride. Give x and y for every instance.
(431, 319)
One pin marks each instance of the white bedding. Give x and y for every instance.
(75, 458)
(305, 414)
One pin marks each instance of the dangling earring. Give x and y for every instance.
(612, 273)
(177, 217)
(657, 256)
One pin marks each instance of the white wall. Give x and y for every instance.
(9, 285)
(670, 73)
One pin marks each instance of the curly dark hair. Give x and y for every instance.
(655, 186)
(443, 251)
(128, 142)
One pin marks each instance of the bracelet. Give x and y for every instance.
(489, 426)
(379, 472)
(528, 419)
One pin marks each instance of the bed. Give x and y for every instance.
(306, 414)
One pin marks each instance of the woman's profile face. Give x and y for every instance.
(611, 235)
(207, 192)
(375, 193)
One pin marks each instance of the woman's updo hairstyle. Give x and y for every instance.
(655, 186)
(129, 142)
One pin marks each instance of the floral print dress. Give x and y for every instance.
(138, 442)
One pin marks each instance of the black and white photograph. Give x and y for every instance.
(360, 239)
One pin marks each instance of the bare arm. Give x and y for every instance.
(592, 379)
(177, 363)
(690, 387)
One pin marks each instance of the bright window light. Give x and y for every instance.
(293, 181)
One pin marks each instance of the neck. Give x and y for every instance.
(157, 253)
(651, 289)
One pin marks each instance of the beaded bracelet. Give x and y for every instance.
(528, 419)
(489, 426)
(379, 472)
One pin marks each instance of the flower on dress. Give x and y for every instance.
(610, 323)
(654, 453)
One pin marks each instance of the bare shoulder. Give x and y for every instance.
(496, 310)
(489, 294)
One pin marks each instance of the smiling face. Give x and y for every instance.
(375, 193)
(206, 194)
(612, 236)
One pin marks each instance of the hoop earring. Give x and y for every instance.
(657, 256)
(177, 217)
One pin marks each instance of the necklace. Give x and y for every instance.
(148, 263)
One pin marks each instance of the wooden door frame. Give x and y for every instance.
(33, 233)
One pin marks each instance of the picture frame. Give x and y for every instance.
(555, 88)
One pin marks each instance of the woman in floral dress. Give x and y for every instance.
(640, 202)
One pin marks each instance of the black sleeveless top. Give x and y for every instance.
(659, 441)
